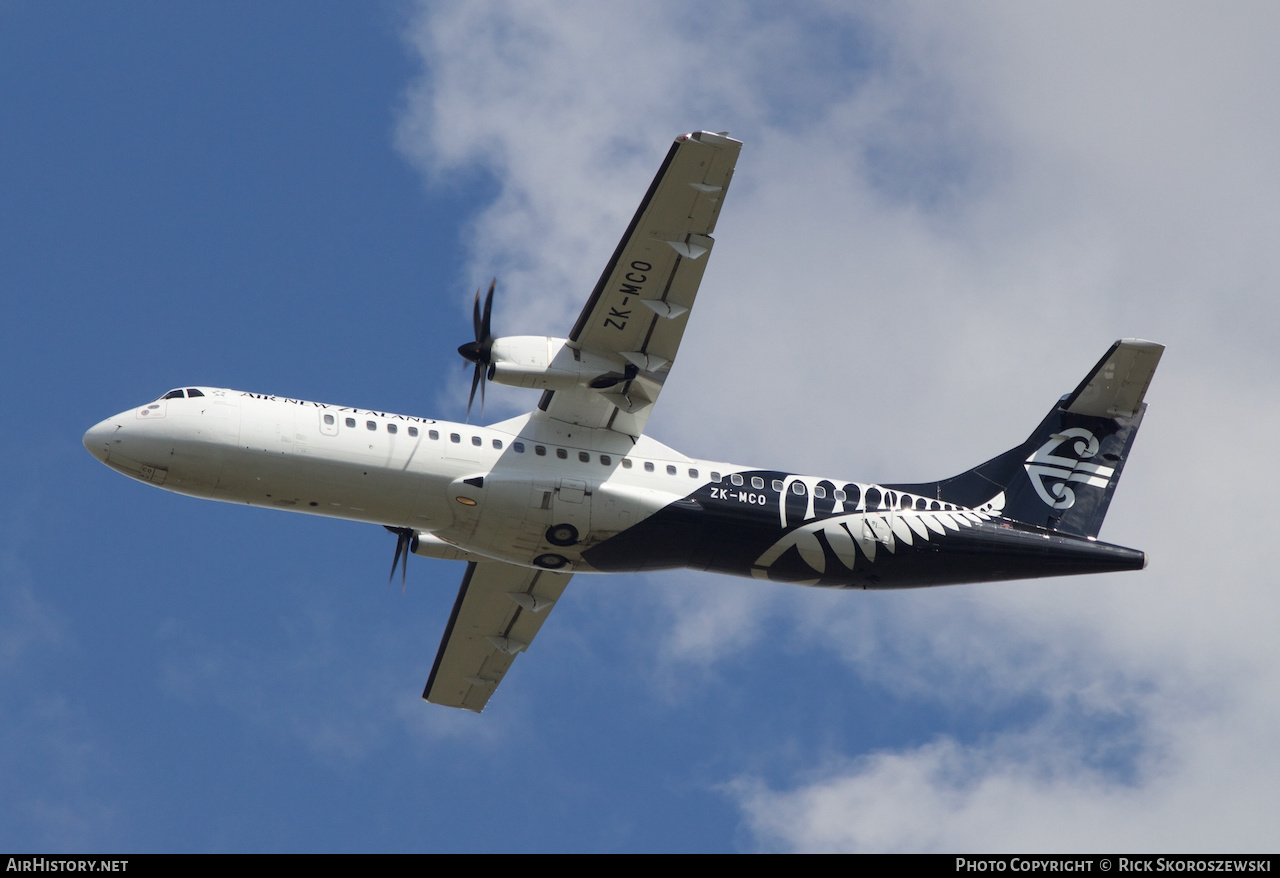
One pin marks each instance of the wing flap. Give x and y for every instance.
(498, 611)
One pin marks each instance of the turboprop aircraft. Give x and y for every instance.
(576, 487)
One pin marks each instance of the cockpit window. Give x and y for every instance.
(173, 394)
(192, 393)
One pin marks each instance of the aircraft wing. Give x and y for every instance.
(637, 312)
(499, 609)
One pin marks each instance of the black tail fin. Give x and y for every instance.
(1063, 476)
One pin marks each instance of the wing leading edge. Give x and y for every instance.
(637, 312)
(499, 609)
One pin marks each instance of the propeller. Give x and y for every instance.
(404, 539)
(480, 351)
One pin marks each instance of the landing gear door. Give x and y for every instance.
(570, 512)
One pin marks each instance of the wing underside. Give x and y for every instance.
(499, 609)
(637, 312)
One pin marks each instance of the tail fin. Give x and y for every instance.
(1063, 476)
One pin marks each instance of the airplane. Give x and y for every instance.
(575, 486)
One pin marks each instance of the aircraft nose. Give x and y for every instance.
(97, 439)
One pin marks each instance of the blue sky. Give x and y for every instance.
(940, 220)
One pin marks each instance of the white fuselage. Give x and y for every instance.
(536, 491)
(466, 490)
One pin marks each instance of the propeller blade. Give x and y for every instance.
(404, 539)
(484, 336)
(480, 351)
(475, 379)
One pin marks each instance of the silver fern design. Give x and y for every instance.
(864, 520)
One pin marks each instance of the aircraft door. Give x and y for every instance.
(876, 528)
(328, 423)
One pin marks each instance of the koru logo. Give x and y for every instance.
(1060, 471)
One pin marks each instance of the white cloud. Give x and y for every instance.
(1031, 792)
(932, 235)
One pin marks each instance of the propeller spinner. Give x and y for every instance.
(480, 351)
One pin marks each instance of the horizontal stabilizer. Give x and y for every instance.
(1115, 387)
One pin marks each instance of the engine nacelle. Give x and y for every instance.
(545, 363)
(429, 545)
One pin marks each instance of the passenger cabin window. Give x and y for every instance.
(671, 470)
(433, 434)
(540, 450)
(736, 480)
(819, 491)
(454, 437)
(606, 459)
(477, 441)
(777, 485)
(626, 463)
(518, 447)
(329, 419)
(840, 495)
(693, 473)
(584, 457)
(371, 425)
(797, 487)
(350, 422)
(497, 443)
(413, 431)
(715, 477)
(648, 466)
(562, 454)
(392, 428)
(757, 483)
